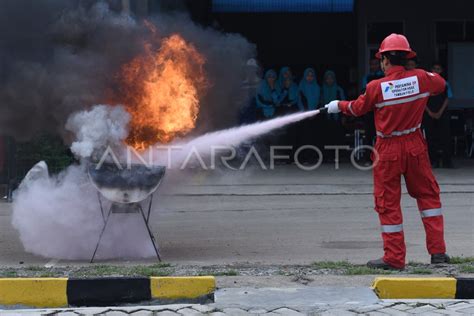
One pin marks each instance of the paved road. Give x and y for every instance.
(282, 216)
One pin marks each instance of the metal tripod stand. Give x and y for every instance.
(132, 208)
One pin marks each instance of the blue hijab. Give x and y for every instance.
(267, 94)
(279, 82)
(310, 90)
(332, 92)
(292, 90)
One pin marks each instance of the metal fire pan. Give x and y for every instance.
(131, 184)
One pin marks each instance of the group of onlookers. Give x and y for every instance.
(280, 94)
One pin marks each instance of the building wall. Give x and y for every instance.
(418, 16)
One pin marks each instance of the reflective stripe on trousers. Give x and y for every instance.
(399, 133)
(392, 228)
(431, 213)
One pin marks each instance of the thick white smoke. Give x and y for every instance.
(56, 217)
(60, 217)
(95, 129)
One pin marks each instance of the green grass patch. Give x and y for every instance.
(35, 268)
(101, 270)
(363, 270)
(219, 273)
(461, 260)
(30, 272)
(162, 265)
(8, 273)
(47, 274)
(94, 270)
(153, 270)
(420, 270)
(466, 268)
(159, 269)
(284, 273)
(348, 268)
(332, 265)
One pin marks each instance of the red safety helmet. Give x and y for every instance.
(395, 42)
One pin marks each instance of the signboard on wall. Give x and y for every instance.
(283, 5)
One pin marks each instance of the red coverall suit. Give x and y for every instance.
(398, 101)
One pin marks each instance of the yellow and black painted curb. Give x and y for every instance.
(424, 288)
(63, 292)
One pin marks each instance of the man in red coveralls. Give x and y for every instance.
(398, 101)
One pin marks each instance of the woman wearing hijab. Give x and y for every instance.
(287, 93)
(267, 96)
(309, 130)
(266, 99)
(287, 104)
(285, 73)
(309, 91)
(333, 128)
(331, 91)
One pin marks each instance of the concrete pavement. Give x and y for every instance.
(309, 305)
(281, 216)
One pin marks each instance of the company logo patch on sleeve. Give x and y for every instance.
(400, 88)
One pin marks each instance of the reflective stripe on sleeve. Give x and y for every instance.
(392, 228)
(431, 213)
(350, 109)
(405, 100)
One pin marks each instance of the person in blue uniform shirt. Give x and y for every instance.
(374, 72)
(285, 73)
(287, 104)
(287, 93)
(267, 96)
(331, 91)
(333, 128)
(309, 91)
(310, 131)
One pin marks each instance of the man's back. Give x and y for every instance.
(398, 99)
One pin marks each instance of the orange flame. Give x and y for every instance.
(161, 90)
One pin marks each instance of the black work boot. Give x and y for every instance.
(439, 258)
(380, 264)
